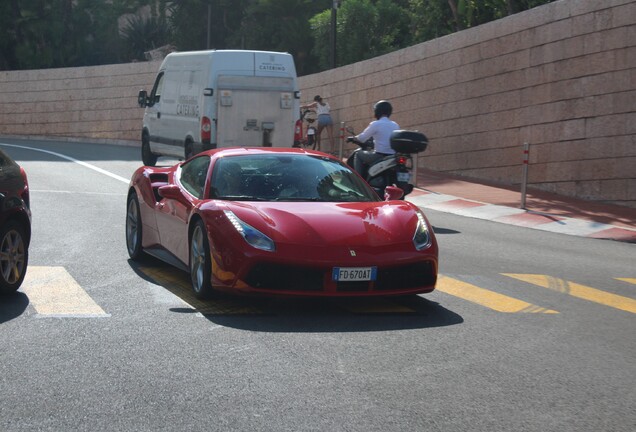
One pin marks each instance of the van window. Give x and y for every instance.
(155, 95)
(193, 175)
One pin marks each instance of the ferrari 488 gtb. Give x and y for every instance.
(279, 222)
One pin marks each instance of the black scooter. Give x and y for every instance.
(395, 169)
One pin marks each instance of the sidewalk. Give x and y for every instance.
(544, 210)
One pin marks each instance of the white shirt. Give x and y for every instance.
(322, 109)
(380, 130)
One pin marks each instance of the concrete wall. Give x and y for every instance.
(98, 102)
(561, 77)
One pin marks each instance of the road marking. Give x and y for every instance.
(76, 192)
(487, 298)
(178, 283)
(54, 293)
(578, 291)
(63, 156)
(628, 280)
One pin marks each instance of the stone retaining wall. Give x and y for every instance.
(561, 77)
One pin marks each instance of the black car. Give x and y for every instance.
(15, 224)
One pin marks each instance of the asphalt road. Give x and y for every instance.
(491, 350)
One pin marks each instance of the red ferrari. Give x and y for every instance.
(279, 222)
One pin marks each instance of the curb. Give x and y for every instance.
(520, 217)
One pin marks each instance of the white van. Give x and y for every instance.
(221, 98)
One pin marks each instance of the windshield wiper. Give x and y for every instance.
(298, 199)
(241, 198)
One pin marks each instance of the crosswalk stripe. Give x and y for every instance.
(179, 285)
(54, 293)
(578, 291)
(628, 280)
(487, 298)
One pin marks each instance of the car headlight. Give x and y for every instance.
(252, 236)
(421, 238)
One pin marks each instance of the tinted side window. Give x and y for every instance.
(155, 95)
(193, 175)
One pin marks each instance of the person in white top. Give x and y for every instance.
(322, 109)
(380, 130)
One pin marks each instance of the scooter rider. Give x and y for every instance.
(380, 130)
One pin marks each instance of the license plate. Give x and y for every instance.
(404, 177)
(353, 274)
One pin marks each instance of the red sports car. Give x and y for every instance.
(279, 222)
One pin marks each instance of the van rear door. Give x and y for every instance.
(255, 111)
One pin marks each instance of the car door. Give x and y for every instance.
(173, 214)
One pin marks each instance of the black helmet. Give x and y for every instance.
(382, 108)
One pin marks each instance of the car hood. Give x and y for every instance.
(323, 224)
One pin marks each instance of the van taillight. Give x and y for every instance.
(206, 129)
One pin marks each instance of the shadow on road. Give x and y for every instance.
(438, 230)
(12, 306)
(274, 314)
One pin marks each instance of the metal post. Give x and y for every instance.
(341, 140)
(414, 170)
(524, 175)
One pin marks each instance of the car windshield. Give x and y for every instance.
(286, 177)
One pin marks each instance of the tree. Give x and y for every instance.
(364, 29)
(281, 25)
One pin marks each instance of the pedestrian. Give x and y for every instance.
(323, 110)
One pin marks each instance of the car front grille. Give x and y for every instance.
(285, 278)
(280, 277)
(408, 276)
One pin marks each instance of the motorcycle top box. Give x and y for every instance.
(406, 141)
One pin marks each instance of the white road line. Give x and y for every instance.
(75, 192)
(60, 155)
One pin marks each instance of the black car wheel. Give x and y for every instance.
(14, 257)
(133, 227)
(147, 156)
(200, 262)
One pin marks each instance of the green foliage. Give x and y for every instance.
(62, 33)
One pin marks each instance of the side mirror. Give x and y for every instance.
(350, 130)
(171, 192)
(392, 193)
(142, 98)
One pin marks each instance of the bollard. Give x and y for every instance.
(414, 170)
(524, 174)
(342, 140)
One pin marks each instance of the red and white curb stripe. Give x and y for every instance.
(521, 217)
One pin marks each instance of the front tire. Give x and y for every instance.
(133, 227)
(14, 257)
(147, 156)
(200, 262)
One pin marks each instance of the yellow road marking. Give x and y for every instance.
(628, 280)
(487, 298)
(178, 283)
(579, 291)
(53, 292)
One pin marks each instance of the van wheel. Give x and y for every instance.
(188, 149)
(147, 156)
